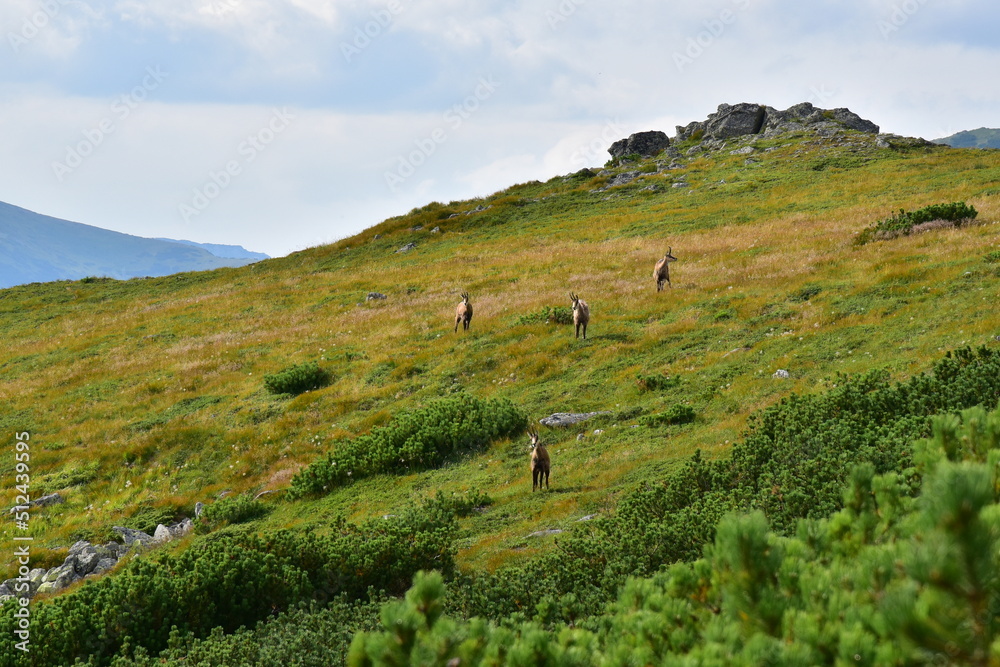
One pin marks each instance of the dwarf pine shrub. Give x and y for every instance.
(233, 509)
(676, 414)
(902, 223)
(297, 379)
(415, 440)
(548, 315)
(656, 382)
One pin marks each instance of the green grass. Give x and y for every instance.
(150, 393)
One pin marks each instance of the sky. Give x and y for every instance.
(285, 124)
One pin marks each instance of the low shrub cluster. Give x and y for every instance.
(657, 382)
(230, 580)
(232, 510)
(908, 222)
(676, 414)
(297, 379)
(549, 315)
(415, 440)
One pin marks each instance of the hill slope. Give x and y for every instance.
(223, 250)
(39, 248)
(982, 138)
(143, 397)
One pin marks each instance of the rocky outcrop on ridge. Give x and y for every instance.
(741, 119)
(746, 119)
(645, 144)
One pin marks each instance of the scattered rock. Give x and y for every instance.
(580, 436)
(375, 296)
(781, 374)
(161, 534)
(376, 237)
(568, 418)
(131, 535)
(546, 533)
(44, 501)
(589, 517)
(436, 230)
(417, 228)
(645, 144)
(407, 248)
(598, 431)
(478, 209)
(622, 179)
(746, 150)
(104, 565)
(179, 530)
(896, 141)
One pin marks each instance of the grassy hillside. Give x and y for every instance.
(145, 396)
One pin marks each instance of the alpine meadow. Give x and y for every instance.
(788, 455)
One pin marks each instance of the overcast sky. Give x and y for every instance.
(284, 124)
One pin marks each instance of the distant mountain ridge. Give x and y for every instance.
(40, 248)
(984, 137)
(222, 250)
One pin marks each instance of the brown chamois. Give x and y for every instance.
(540, 464)
(463, 313)
(581, 315)
(661, 274)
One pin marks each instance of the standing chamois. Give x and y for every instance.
(581, 315)
(661, 274)
(463, 314)
(540, 463)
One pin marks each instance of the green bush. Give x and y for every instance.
(902, 223)
(657, 382)
(297, 379)
(232, 510)
(414, 440)
(549, 315)
(675, 415)
(228, 581)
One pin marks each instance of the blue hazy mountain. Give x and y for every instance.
(984, 137)
(221, 250)
(40, 248)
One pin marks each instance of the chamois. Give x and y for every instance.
(463, 313)
(661, 274)
(581, 315)
(540, 464)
